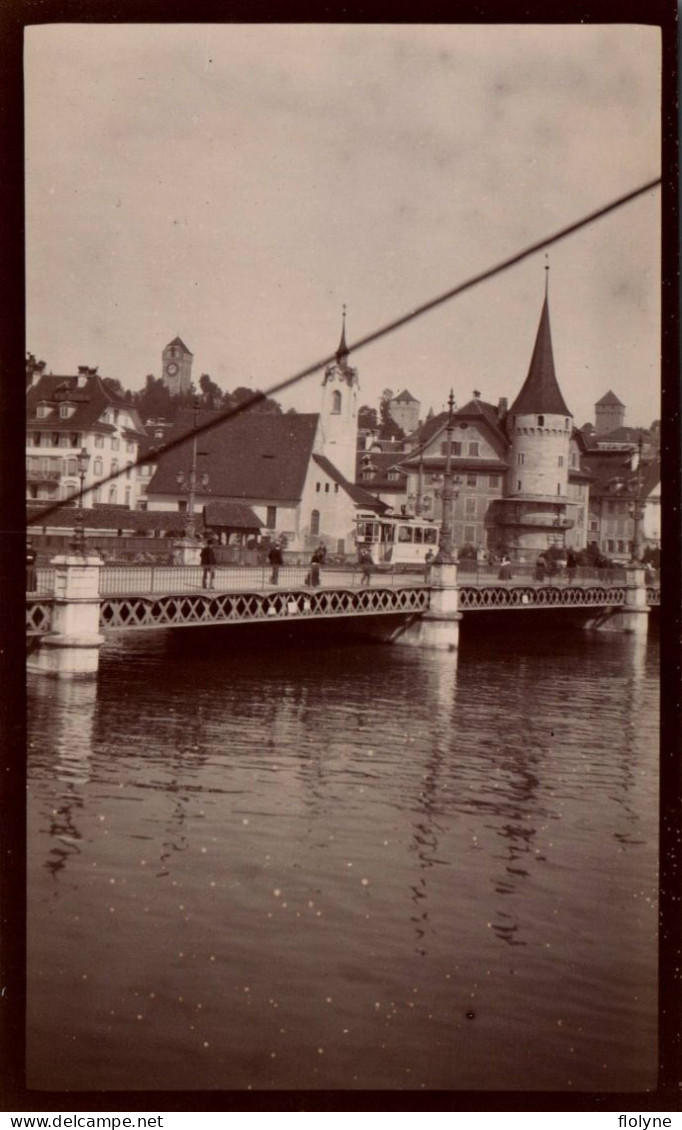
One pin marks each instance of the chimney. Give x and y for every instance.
(502, 408)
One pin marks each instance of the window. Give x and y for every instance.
(574, 459)
(473, 449)
(99, 441)
(471, 480)
(470, 507)
(127, 496)
(72, 466)
(336, 402)
(455, 448)
(128, 470)
(75, 439)
(64, 441)
(541, 421)
(336, 488)
(37, 439)
(55, 439)
(610, 545)
(112, 495)
(518, 484)
(621, 546)
(315, 523)
(42, 411)
(326, 488)
(393, 475)
(182, 505)
(594, 526)
(115, 443)
(271, 517)
(114, 466)
(404, 534)
(97, 467)
(97, 494)
(493, 480)
(520, 459)
(317, 487)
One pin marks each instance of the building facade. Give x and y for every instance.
(69, 414)
(176, 366)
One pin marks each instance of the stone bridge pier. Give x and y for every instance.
(439, 626)
(72, 645)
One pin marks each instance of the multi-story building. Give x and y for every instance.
(68, 414)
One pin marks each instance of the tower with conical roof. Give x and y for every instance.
(539, 426)
(339, 410)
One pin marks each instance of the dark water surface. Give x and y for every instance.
(345, 867)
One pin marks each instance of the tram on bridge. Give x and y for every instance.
(396, 540)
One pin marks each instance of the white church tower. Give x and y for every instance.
(337, 436)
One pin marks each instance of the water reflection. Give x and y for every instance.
(329, 829)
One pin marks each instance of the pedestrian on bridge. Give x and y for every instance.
(208, 560)
(316, 560)
(541, 568)
(365, 566)
(276, 560)
(505, 573)
(30, 567)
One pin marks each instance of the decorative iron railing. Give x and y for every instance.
(189, 610)
(476, 598)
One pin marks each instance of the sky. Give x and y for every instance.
(236, 185)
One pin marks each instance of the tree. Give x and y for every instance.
(211, 393)
(368, 418)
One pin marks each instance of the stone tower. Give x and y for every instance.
(176, 367)
(339, 411)
(539, 427)
(609, 414)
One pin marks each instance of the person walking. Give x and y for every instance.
(541, 568)
(276, 560)
(505, 573)
(208, 561)
(365, 566)
(316, 561)
(30, 567)
(571, 565)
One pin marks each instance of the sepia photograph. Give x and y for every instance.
(343, 557)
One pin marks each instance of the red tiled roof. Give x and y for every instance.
(255, 455)
(90, 402)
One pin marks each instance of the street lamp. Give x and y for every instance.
(78, 540)
(189, 482)
(637, 508)
(446, 547)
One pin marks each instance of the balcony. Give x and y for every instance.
(38, 477)
(538, 521)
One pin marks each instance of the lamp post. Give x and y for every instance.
(419, 503)
(637, 509)
(78, 540)
(446, 547)
(189, 482)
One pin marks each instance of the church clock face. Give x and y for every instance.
(171, 368)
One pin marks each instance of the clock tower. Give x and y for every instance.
(176, 367)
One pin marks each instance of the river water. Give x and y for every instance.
(258, 864)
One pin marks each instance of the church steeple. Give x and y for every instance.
(540, 392)
(342, 351)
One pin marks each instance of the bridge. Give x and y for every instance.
(77, 602)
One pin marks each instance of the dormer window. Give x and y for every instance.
(42, 411)
(66, 410)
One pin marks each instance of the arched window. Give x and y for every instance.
(336, 402)
(112, 494)
(315, 523)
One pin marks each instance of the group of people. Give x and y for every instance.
(317, 560)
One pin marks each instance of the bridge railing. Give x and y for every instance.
(471, 572)
(122, 580)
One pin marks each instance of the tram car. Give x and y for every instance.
(396, 541)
